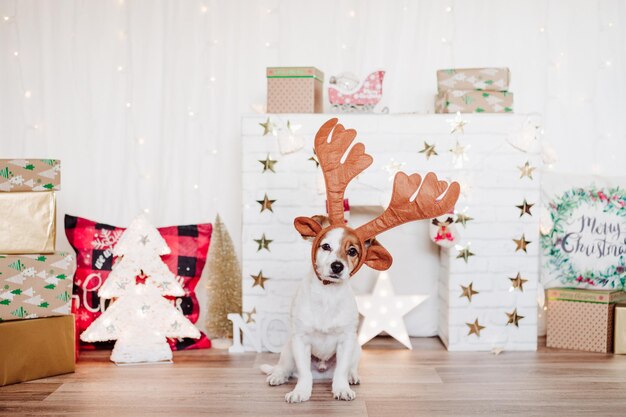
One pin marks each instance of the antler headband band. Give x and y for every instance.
(432, 197)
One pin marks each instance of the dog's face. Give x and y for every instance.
(338, 252)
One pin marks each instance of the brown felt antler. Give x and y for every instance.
(429, 202)
(337, 174)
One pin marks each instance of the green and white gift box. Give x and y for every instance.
(34, 286)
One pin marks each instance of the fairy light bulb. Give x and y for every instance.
(120, 68)
(204, 9)
(351, 13)
(28, 94)
(448, 9)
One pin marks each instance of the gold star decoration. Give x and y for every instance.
(458, 154)
(457, 124)
(268, 163)
(249, 314)
(514, 318)
(474, 328)
(266, 203)
(526, 171)
(314, 159)
(525, 208)
(268, 127)
(264, 243)
(464, 253)
(463, 219)
(259, 280)
(518, 282)
(429, 150)
(521, 243)
(468, 292)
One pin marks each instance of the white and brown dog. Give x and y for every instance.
(324, 315)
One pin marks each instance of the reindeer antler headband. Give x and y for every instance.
(432, 197)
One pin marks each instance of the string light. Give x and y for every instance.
(120, 68)
(351, 13)
(141, 141)
(267, 44)
(607, 63)
(27, 94)
(6, 18)
(16, 53)
(448, 9)
(204, 9)
(542, 29)
(212, 79)
(129, 104)
(444, 40)
(195, 186)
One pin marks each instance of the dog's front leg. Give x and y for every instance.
(301, 351)
(345, 350)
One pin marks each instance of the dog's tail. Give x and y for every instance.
(267, 369)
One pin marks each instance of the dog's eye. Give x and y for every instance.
(352, 252)
(326, 247)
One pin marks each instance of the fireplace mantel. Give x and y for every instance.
(495, 146)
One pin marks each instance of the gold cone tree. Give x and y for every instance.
(223, 283)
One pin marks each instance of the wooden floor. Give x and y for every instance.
(427, 381)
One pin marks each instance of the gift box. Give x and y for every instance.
(619, 332)
(472, 101)
(30, 175)
(295, 90)
(27, 222)
(581, 319)
(33, 349)
(491, 79)
(36, 285)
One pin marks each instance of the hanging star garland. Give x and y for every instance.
(249, 314)
(259, 280)
(383, 311)
(526, 171)
(464, 253)
(264, 243)
(429, 150)
(521, 243)
(514, 318)
(525, 208)
(457, 125)
(468, 292)
(463, 219)
(458, 154)
(314, 159)
(474, 328)
(266, 203)
(518, 282)
(268, 127)
(268, 163)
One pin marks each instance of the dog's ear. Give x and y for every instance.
(376, 256)
(308, 227)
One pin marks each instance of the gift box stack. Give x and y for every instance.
(36, 327)
(589, 320)
(473, 90)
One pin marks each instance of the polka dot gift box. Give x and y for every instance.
(295, 90)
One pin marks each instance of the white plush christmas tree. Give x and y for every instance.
(140, 319)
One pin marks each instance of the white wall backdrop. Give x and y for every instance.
(142, 99)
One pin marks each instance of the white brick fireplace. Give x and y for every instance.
(491, 190)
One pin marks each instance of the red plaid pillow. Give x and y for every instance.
(93, 243)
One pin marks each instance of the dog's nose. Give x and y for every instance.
(336, 267)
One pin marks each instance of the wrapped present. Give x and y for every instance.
(472, 101)
(27, 222)
(30, 175)
(34, 286)
(33, 349)
(491, 79)
(619, 333)
(295, 90)
(581, 319)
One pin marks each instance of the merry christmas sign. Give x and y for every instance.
(585, 245)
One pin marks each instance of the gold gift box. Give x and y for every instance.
(37, 348)
(619, 336)
(27, 222)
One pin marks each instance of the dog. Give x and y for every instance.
(324, 318)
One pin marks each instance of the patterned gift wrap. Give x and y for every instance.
(490, 79)
(619, 333)
(34, 286)
(470, 101)
(581, 319)
(295, 90)
(30, 175)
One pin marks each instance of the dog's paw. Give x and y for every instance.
(297, 396)
(345, 394)
(277, 378)
(353, 379)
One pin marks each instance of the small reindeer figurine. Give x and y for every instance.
(324, 315)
